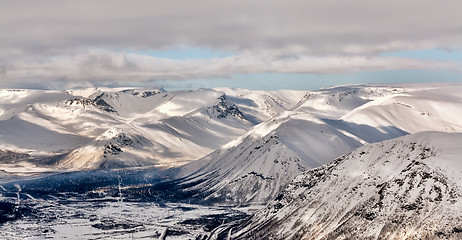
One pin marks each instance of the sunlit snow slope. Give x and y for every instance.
(405, 188)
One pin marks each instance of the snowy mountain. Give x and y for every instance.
(115, 148)
(254, 167)
(73, 129)
(229, 152)
(405, 188)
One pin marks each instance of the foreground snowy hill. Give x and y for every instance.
(321, 127)
(405, 188)
(103, 127)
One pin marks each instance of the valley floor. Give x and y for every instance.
(108, 213)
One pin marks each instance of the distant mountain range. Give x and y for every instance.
(113, 128)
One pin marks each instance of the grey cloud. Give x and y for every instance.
(318, 26)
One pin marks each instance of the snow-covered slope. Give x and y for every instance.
(176, 127)
(26, 124)
(253, 167)
(256, 166)
(424, 107)
(335, 102)
(405, 188)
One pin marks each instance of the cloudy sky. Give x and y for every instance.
(249, 44)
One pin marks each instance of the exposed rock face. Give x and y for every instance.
(98, 101)
(102, 104)
(224, 109)
(84, 102)
(11, 157)
(143, 93)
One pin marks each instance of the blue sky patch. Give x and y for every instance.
(184, 53)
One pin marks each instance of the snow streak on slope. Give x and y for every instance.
(409, 187)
